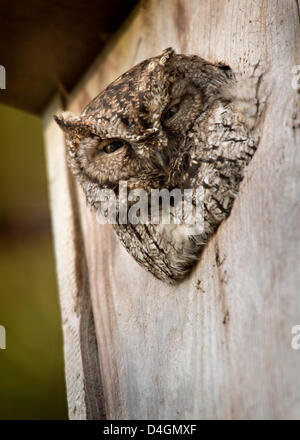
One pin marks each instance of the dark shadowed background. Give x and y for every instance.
(31, 373)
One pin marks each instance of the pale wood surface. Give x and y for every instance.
(83, 381)
(221, 349)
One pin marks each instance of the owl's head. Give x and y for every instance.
(136, 129)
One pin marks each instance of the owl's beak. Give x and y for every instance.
(162, 159)
(159, 159)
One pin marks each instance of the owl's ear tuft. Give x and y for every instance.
(166, 56)
(67, 121)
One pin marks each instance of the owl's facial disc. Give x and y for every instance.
(134, 128)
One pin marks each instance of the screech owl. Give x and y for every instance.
(172, 121)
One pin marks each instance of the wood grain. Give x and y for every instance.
(219, 344)
(84, 389)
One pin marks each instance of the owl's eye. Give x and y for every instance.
(113, 146)
(171, 112)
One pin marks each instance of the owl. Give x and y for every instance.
(171, 122)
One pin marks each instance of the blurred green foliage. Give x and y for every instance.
(31, 368)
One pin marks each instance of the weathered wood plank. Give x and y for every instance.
(221, 349)
(83, 382)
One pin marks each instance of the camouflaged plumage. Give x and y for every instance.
(207, 142)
